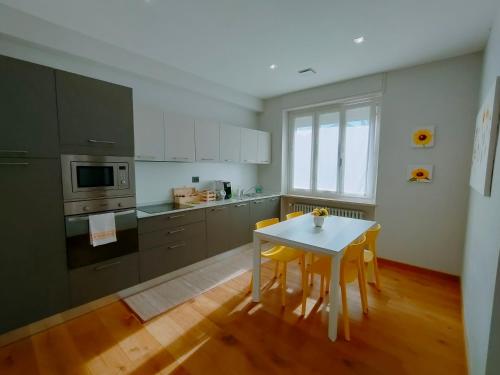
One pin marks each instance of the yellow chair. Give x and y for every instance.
(370, 253)
(282, 255)
(291, 215)
(351, 268)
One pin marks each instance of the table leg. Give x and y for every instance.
(256, 269)
(334, 297)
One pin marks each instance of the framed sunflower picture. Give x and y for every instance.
(423, 137)
(420, 173)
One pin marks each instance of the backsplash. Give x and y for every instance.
(155, 180)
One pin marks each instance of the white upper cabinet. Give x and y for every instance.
(149, 134)
(249, 145)
(179, 138)
(230, 143)
(207, 140)
(264, 148)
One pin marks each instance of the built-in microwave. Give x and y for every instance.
(93, 177)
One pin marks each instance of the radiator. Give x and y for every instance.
(305, 207)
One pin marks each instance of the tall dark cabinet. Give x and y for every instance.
(28, 127)
(95, 117)
(33, 272)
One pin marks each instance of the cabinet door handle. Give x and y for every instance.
(13, 152)
(175, 217)
(101, 141)
(104, 266)
(176, 231)
(241, 205)
(227, 160)
(15, 164)
(207, 159)
(257, 202)
(177, 245)
(179, 158)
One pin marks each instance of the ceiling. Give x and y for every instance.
(233, 42)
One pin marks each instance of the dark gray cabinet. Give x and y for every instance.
(240, 231)
(95, 117)
(262, 209)
(172, 256)
(28, 127)
(218, 230)
(273, 207)
(98, 280)
(33, 270)
(169, 242)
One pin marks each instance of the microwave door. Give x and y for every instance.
(93, 176)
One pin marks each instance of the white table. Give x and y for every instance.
(300, 233)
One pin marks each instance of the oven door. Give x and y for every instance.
(81, 252)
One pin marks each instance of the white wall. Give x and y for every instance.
(154, 180)
(481, 279)
(423, 225)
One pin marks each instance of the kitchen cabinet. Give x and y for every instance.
(264, 148)
(240, 232)
(230, 143)
(249, 145)
(207, 140)
(149, 134)
(28, 127)
(33, 268)
(172, 256)
(169, 242)
(179, 138)
(98, 280)
(95, 117)
(218, 223)
(262, 209)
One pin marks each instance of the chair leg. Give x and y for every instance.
(276, 269)
(305, 290)
(311, 261)
(362, 287)
(327, 285)
(322, 287)
(345, 312)
(377, 275)
(283, 285)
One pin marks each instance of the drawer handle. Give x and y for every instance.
(241, 205)
(104, 266)
(176, 231)
(101, 141)
(177, 245)
(257, 202)
(13, 152)
(175, 217)
(218, 209)
(207, 159)
(180, 158)
(15, 164)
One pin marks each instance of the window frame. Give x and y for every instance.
(341, 107)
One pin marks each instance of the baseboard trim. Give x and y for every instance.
(54, 320)
(413, 268)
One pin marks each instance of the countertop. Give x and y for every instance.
(141, 214)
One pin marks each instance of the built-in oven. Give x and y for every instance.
(93, 177)
(81, 253)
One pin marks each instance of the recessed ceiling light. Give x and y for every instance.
(273, 66)
(359, 40)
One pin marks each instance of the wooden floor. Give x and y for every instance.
(413, 327)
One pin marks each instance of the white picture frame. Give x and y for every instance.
(485, 140)
(423, 137)
(420, 173)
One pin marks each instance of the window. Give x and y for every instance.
(333, 150)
